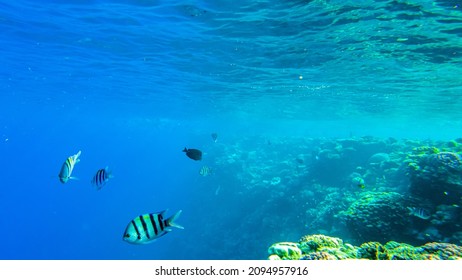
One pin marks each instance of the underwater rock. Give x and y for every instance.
(331, 248)
(447, 159)
(318, 256)
(337, 159)
(285, 251)
(425, 150)
(376, 160)
(372, 251)
(312, 243)
(377, 216)
(457, 237)
(452, 144)
(323, 215)
(441, 251)
(434, 175)
(430, 233)
(445, 214)
(322, 247)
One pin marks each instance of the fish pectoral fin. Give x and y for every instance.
(177, 226)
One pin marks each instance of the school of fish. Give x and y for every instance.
(144, 228)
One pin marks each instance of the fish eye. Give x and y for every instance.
(127, 235)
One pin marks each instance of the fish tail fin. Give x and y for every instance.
(185, 150)
(108, 172)
(76, 156)
(171, 221)
(74, 178)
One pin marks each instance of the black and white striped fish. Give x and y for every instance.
(101, 177)
(205, 171)
(419, 213)
(67, 168)
(147, 228)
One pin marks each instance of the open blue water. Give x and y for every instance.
(131, 83)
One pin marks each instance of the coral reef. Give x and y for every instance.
(285, 251)
(377, 215)
(434, 175)
(359, 188)
(378, 160)
(321, 247)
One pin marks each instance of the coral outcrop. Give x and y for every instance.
(434, 174)
(377, 215)
(321, 247)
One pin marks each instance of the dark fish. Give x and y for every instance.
(146, 228)
(101, 177)
(67, 168)
(214, 137)
(193, 153)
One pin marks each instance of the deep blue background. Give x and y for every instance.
(131, 83)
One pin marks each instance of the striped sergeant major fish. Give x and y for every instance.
(205, 171)
(68, 166)
(101, 177)
(147, 228)
(419, 213)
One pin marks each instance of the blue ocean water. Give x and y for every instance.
(131, 83)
